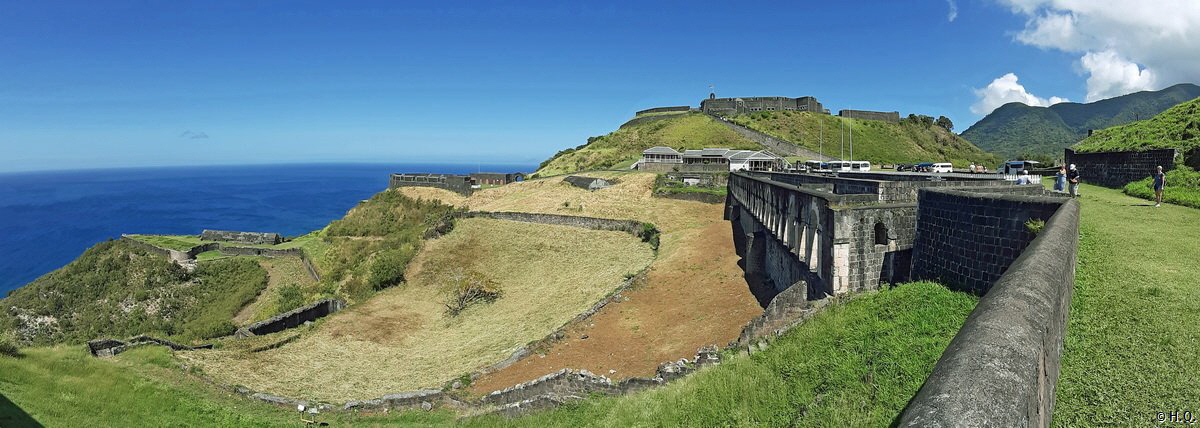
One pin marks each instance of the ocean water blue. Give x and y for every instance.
(49, 218)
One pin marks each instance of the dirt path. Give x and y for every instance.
(693, 297)
(281, 271)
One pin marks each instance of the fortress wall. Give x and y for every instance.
(293, 318)
(1116, 169)
(632, 227)
(886, 116)
(872, 245)
(1002, 367)
(457, 184)
(774, 145)
(664, 110)
(253, 251)
(966, 239)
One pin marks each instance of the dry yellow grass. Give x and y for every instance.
(402, 340)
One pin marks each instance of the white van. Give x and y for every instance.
(850, 166)
(942, 168)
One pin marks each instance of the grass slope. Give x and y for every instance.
(1131, 341)
(1177, 127)
(1015, 128)
(1182, 188)
(684, 131)
(401, 339)
(874, 141)
(855, 364)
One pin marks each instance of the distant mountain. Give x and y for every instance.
(1014, 128)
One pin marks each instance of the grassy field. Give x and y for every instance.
(855, 364)
(1177, 127)
(1183, 188)
(282, 273)
(874, 141)
(1133, 331)
(401, 339)
(621, 147)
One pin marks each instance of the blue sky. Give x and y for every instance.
(110, 84)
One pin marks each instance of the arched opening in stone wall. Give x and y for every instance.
(881, 237)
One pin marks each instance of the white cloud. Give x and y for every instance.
(1005, 89)
(953, 11)
(1124, 45)
(1109, 75)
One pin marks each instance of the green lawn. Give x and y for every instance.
(855, 364)
(1133, 339)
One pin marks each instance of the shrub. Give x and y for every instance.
(1035, 226)
(289, 297)
(649, 234)
(388, 268)
(465, 288)
(8, 346)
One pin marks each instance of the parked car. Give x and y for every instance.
(904, 167)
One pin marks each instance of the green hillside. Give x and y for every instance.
(1178, 127)
(874, 141)
(116, 289)
(622, 147)
(1014, 128)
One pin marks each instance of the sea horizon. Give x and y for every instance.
(49, 217)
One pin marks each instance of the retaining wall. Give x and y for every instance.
(1116, 169)
(664, 110)
(111, 347)
(1002, 367)
(775, 145)
(632, 227)
(293, 318)
(965, 238)
(460, 184)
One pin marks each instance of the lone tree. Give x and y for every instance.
(465, 288)
(945, 122)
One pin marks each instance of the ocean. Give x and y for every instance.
(48, 218)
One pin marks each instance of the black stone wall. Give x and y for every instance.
(1002, 367)
(455, 183)
(1116, 169)
(966, 239)
(664, 110)
(886, 116)
(293, 318)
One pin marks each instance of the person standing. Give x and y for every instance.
(1060, 179)
(1160, 181)
(1073, 180)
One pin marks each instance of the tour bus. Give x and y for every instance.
(942, 168)
(850, 166)
(1015, 167)
(816, 166)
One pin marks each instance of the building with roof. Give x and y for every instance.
(750, 160)
(660, 154)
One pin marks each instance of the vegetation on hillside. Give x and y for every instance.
(1014, 128)
(369, 249)
(115, 289)
(1131, 339)
(1177, 128)
(625, 145)
(914, 139)
(1182, 188)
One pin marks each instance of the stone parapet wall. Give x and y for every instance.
(775, 145)
(1002, 367)
(632, 227)
(460, 184)
(886, 116)
(1116, 169)
(253, 238)
(664, 110)
(966, 239)
(293, 318)
(111, 347)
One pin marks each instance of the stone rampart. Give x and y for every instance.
(460, 184)
(664, 110)
(966, 239)
(1002, 367)
(1116, 169)
(886, 116)
(293, 318)
(111, 347)
(252, 238)
(632, 227)
(775, 145)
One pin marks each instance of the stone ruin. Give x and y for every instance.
(253, 238)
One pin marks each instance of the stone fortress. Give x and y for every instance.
(805, 237)
(734, 106)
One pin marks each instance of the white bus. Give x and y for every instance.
(850, 166)
(942, 168)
